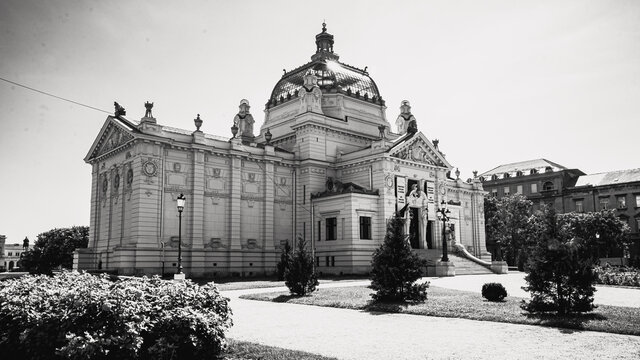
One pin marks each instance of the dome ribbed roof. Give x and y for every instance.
(333, 76)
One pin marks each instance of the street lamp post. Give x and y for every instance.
(181, 201)
(443, 213)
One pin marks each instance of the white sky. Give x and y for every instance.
(495, 81)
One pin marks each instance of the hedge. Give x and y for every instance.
(81, 316)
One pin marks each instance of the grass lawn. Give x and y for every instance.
(241, 350)
(467, 305)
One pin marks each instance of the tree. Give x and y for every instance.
(505, 225)
(395, 268)
(300, 278)
(564, 250)
(54, 248)
(285, 261)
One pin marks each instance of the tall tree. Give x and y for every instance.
(506, 223)
(54, 248)
(395, 268)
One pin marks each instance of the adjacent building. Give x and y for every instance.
(326, 166)
(571, 190)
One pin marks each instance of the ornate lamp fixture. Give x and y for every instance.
(268, 136)
(180, 205)
(443, 214)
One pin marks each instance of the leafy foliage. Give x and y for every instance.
(54, 248)
(565, 249)
(506, 221)
(395, 268)
(80, 316)
(621, 276)
(285, 261)
(301, 278)
(494, 292)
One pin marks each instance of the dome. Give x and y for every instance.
(333, 76)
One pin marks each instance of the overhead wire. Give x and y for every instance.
(54, 96)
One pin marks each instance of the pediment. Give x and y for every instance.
(420, 150)
(111, 137)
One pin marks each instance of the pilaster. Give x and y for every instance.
(235, 220)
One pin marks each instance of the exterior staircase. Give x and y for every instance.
(463, 266)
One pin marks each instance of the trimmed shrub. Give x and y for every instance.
(620, 276)
(300, 277)
(494, 292)
(80, 316)
(395, 268)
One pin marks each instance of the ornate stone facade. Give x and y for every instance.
(330, 171)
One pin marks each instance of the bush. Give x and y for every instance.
(395, 268)
(81, 316)
(300, 278)
(494, 292)
(620, 276)
(285, 261)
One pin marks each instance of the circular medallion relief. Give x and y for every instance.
(389, 181)
(149, 168)
(443, 189)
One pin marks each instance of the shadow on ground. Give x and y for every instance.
(565, 323)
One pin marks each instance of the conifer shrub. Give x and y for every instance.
(285, 261)
(300, 277)
(395, 268)
(81, 316)
(564, 250)
(494, 292)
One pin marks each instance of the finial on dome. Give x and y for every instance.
(324, 45)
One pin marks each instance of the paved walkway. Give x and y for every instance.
(351, 334)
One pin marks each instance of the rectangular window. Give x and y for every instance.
(365, 227)
(506, 191)
(333, 261)
(304, 194)
(604, 203)
(10, 253)
(519, 190)
(494, 192)
(579, 205)
(638, 224)
(534, 188)
(304, 231)
(637, 200)
(326, 261)
(622, 201)
(320, 230)
(332, 228)
(317, 261)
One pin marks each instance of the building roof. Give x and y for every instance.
(609, 178)
(539, 165)
(332, 75)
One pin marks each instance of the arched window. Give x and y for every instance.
(482, 178)
(494, 177)
(519, 173)
(506, 175)
(548, 169)
(533, 171)
(547, 186)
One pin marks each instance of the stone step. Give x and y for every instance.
(463, 266)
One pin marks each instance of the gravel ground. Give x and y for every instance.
(350, 334)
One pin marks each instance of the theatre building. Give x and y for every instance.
(325, 166)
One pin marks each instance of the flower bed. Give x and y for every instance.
(621, 276)
(81, 316)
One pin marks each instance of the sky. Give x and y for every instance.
(495, 81)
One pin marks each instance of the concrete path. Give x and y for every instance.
(351, 334)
